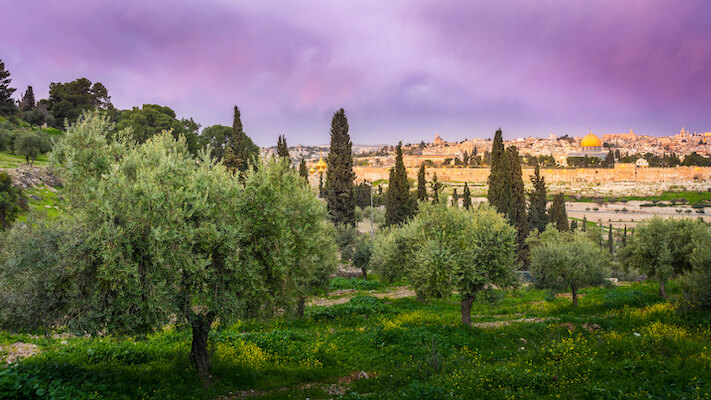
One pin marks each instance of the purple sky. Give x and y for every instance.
(401, 69)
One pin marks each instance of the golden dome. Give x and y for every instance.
(591, 140)
(312, 170)
(320, 165)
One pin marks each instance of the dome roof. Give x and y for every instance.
(591, 140)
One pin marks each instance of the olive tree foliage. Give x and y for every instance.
(443, 249)
(161, 234)
(696, 285)
(566, 260)
(662, 248)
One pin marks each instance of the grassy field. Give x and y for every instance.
(8, 160)
(44, 200)
(690, 197)
(621, 343)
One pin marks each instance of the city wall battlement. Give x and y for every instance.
(621, 173)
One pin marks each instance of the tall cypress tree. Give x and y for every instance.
(557, 213)
(537, 217)
(7, 104)
(399, 204)
(500, 178)
(610, 240)
(422, 184)
(455, 198)
(585, 224)
(28, 100)
(436, 188)
(303, 170)
(467, 201)
(283, 149)
(518, 216)
(240, 151)
(574, 225)
(624, 237)
(339, 173)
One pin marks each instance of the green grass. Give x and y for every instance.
(43, 200)
(644, 349)
(9, 160)
(690, 196)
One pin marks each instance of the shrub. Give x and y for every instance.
(357, 306)
(346, 236)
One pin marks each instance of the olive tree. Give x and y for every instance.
(165, 235)
(31, 145)
(567, 260)
(662, 248)
(443, 249)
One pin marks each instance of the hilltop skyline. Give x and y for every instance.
(402, 70)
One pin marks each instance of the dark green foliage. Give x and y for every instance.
(610, 240)
(216, 138)
(283, 149)
(339, 174)
(518, 217)
(28, 100)
(624, 237)
(153, 119)
(557, 214)
(609, 161)
(422, 184)
(362, 194)
(455, 199)
(399, 204)
(499, 194)
(467, 197)
(240, 151)
(304, 170)
(31, 144)
(346, 237)
(574, 225)
(585, 224)
(362, 253)
(357, 307)
(7, 103)
(67, 101)
(36, 116)
(537, 216)
(436, 188)
(9, 201)
(695, 159)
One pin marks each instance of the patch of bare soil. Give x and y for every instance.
(344, 296)
(569, 295)
(17, 351)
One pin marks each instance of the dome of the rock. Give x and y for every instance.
(591, 140)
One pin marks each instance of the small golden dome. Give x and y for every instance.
(320, 165)
(591, 140)
(312, 170)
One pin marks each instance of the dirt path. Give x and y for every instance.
(345, 295)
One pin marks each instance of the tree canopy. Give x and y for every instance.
(399, 204)
(7, 103)
(339, 173)
(240, 151)
(152, 119)
(67, 101)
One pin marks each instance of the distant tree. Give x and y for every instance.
(610, 240)
(617, 154)
(467, 197)
(283, 149)
(399, 204)
(537, 217)
(455, 198)
(609, 161)
(624, 237)
(585, 224)
(304, 170)
(661, 248)
(340, 175)
(422, 184)
(518, 217)
(28, 100)
(436, 188)
(443, 249)
(68, 100)
(240, 151)
(573, 225)
(7, 104)
(153, 119)
(37, 116)
(362, 253)
(9, 201)
(557, 214)
(31, 145)
(567, 260)
(362, 194)
(500, 178)
(216, 137)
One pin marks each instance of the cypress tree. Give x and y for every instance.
(455, 203)
(624, 237)
(28, 100)
(339, 173)
(537, 217)
(557, 213)
(574, 225)
(240, 151)
(467, 201)
(436, 189)
(399, 204)
(518, 217)
(421, 184)
(303, 170)
(585, 224)
(7, 104)
(610, 241)
(283, 149)
(500, 178)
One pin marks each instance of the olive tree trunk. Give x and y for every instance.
(300, 306)
(574, 290)
(467, 310)
(663, 288)
(365, 273)
(199, 355)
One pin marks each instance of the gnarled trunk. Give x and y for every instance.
(300, 306)
(365, 273)
(467, 310)
(199, 355)
(663, 288)
(574, 291)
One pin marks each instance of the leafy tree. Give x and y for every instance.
(28, 100)
(518, 216)
(436, 188)
(557, 214)
(153, 119)
(573, 225)
(585, 223)
(697, 284)
(362, 253)
(467, 197)
(537, 217)
(283, 149)
(444, 249)
(31, 145)
(9, 201)
(499, 194)
(7, 104)
(422, 184)
(609, 161)
(240, 151)
(399, 204)
(304, 170)
(662, 248)
(339, 173)
(216, 138)
(67, 101)
(567, 260)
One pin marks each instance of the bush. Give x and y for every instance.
(356, 306)
(346, 236)
(362, 253)
(339, 283)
